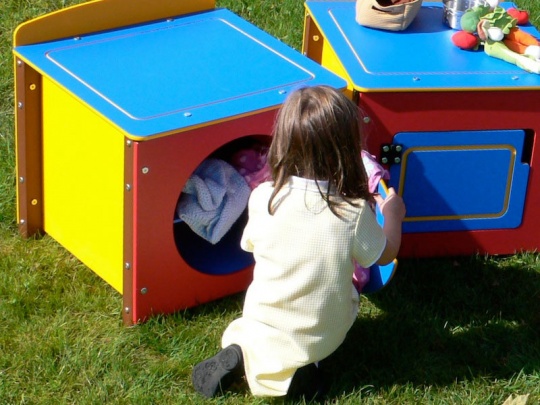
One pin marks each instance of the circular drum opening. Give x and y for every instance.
(211, 212)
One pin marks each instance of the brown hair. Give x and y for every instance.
(317, 136)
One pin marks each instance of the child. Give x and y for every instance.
(305, 229)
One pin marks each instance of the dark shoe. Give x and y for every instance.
(218, 372)
(308, 383)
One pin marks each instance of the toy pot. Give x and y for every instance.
(454, 9)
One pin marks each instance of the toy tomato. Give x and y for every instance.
(465, 40)
(522, 16)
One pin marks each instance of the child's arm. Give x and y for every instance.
(393, 210)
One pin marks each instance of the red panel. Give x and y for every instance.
(391, 113)
(162, 281)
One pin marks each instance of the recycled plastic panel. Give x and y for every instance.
(83, 181)
(454, 181)
(163, 76)
(173, 269)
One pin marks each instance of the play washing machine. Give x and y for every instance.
(117, 106)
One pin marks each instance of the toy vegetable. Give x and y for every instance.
(496, 30)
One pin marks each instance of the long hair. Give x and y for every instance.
(317, 136)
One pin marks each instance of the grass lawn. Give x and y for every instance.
(446, 331)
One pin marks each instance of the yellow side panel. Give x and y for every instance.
(332, 63)
(83, 182)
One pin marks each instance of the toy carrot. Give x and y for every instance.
(518, 40)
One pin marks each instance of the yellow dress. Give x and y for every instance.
(301, 302)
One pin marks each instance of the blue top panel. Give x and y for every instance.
(420, 58)
(171, 75)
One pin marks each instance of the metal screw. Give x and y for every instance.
(145, 170)
(19, 63)
(397, 160)
(187, 114)
(21, 179)
(128, 187)
(127, 310)
(385, 148)
(22, 221)
(20, 104)
(129, 142)
(127, 266)
(398, 148)
(384, 160)
(144, 290)
(366, 120)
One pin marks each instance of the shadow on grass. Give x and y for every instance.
(439, 321)
(444, 320)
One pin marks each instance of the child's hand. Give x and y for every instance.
(392, 206)
(393, 210)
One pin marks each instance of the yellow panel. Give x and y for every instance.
(318, 48)
(100, 15)
(332, 63)
(83, 182)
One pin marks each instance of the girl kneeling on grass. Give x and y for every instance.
(305, 229)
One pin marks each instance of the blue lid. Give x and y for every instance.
(171, 75)
(420, 58)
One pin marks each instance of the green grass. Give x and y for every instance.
(446, 331)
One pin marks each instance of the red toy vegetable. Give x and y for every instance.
(522, 16)
(465, 40)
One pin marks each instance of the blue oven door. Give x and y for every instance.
(461, 180)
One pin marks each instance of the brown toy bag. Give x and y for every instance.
(393, 15)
